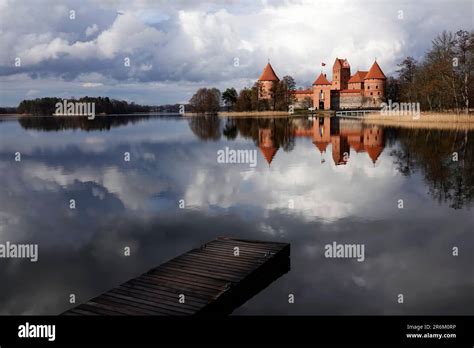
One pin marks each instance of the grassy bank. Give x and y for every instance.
(254, 114)
(426, 120)
(243, 114)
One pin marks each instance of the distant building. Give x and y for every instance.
(364, 89)
(266, 82)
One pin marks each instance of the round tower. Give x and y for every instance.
(266, 82)
(373, 142)
(374, 86)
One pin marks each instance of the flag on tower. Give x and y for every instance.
(323, 64)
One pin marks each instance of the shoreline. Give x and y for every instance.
(426, 120)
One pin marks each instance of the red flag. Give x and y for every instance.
(323, 64)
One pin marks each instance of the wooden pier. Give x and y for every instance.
(356, 113)
(216, 278)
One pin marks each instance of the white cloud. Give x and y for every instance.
(92, 30)
(187, 42)
(92, 84)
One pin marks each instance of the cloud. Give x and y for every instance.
(92, 84)
(92, 30)
(184, 42)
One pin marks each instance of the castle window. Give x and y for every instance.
(371, 93)
(376, 87)
(378, 93)
(368, 87)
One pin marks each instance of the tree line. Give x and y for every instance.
(210, 100)
(442, 79)
(103, 105)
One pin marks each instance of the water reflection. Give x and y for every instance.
(345, 198)
(445, 158)
(272, 134)
(82, 123)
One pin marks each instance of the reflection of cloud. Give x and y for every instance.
(134, 204)
(131, 187)
(94, 140)
(317, 191)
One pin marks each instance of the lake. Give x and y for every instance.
(154, 184)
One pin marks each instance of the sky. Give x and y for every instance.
(175, 47)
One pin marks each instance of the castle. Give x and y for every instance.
(364, 89)
(344, 137)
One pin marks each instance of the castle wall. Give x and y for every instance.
(374, 92)
(300, 99)
(356, 85)
(344, 100)
(265, 88)
(350, 100)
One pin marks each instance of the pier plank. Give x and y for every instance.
(212, 279)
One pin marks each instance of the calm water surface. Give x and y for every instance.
(344, 180)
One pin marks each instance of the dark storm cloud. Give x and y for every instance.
(199, 42)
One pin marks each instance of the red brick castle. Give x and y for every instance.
(364, 89)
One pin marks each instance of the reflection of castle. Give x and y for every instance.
(266, 145)
(363, 89)
(341, 134)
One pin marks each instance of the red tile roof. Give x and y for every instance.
(375, 72)
(268, 153)
(321, 80)
(268, 74)
(374, 152)
(321, 145)
(358, 77)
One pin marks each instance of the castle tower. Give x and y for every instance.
(265, 143)
(374, 85)
(322, 93)
(321, 133)
(373, 142)
(266, 82)
(341, 73)
(340, 149)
